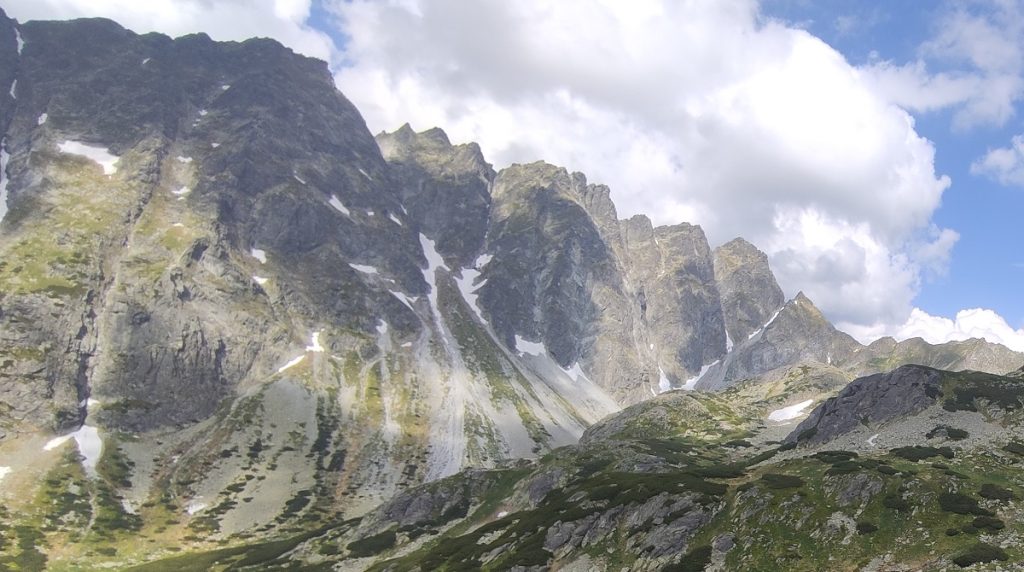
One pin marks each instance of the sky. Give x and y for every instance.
(874, 150)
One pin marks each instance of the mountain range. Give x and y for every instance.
(229, 313)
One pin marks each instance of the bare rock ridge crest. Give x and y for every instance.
(205, 252)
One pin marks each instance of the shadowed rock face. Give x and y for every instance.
(222, 148)
(445, 188)
(750, 294)
(873, 399)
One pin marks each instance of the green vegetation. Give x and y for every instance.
(961, 504)
(919, 453)
(973, 389)
(951, 433)
(995, 492)
(866, 527)
(372, 545)
(981, 553)
(695, 560)
(777, 481)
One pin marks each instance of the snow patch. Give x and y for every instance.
(871, 440)
(503, 514)
(14, 89)
(260, 280)
(370, 213)
(692, 382)
(336, 203)
(42, 118)
(214, 145)
(185, 160)
(292, 363)
(365, 174)
(300, 180)
(127, 506)
(575, 373)
(178, 225)
(403, 299)
(766, 324)
(146, 61)
(56, 442)
(19, 39)
(95, 154)
(395, 219)
(225, 87)
(194, 506)
(4, 471)
(260, 255)
(382, 328)
(434, 261)
(364, 268)
(791, 412)
(90, 446)
(407, 345)
(203, 113)
(524, 346)
(314, 345)
(728, 342)
(182, 191)
(663, 382)
(5, 158)
(468, 287)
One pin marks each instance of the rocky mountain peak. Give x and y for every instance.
(444, 188)
(750, 293)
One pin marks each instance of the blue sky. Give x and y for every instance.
(987, 265)
(874, 150)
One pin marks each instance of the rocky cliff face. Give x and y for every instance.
(750, 294)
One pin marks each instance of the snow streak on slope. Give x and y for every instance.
(5, 157)
(449, 451)
(692, 382)
(791, 412)
(468, 285)
(100, 155)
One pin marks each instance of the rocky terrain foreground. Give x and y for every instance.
(239, 331)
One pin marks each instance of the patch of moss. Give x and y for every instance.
(696, 560)
(372, 545)
(778, 481)
(961, 504)
(980, 553)
(918, 452)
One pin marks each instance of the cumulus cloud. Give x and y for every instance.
(1005, 164)
(690, 111)
(973, 323)
(283, 20)
(979, 49)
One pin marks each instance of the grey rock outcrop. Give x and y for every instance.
(750, 294)
(873, 399)
(672, 271)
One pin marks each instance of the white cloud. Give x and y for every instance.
(283, 20)
(973, 323)
(690, 111)
(1005, 164)
(979, 48)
